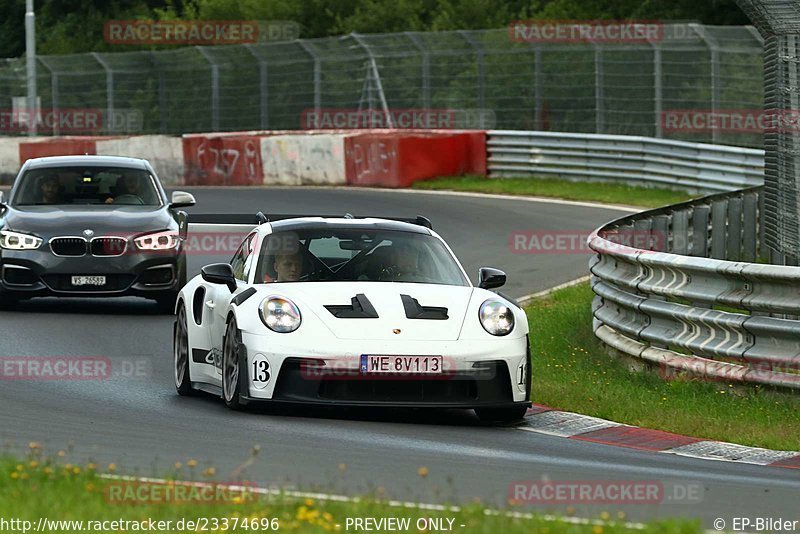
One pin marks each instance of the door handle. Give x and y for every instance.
(210, 304)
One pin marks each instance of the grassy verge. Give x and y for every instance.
(572, 372)
(609, 193)
(37, 488)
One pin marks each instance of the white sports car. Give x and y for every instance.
(352, 311)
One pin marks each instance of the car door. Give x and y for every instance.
(219, 299)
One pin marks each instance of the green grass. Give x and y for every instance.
(37, 487)
(610, 193)
(572, 372)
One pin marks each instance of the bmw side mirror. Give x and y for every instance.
(182, 199)
(489, 278)
(219, 273)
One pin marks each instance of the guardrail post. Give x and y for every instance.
(750, 229)
(680, 233)
(734, 246)
(538, 85)
(719, 213)
(700, 231)
(214, 88)
(659, 238)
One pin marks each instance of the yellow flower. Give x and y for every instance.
(76, 470)
(342, 467)
(604, 516)
(112, 467)
(33, 464)
(309, 502)
(620, 515)
(34, 445)
(178, 465)
(597, 529)
(422, 471)
(47, 471)
(20, 467)
(89, 487)
(61, 454)
(91, 466)
(14, 475)
(210, 472)
(192, 463)
(24, 476)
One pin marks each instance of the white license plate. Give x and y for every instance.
(88, 280)
(401, 365)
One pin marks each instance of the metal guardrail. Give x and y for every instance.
(635, 160)
(689, 298)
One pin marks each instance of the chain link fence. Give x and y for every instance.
(614, 88)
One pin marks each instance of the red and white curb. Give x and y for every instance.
(544, 420)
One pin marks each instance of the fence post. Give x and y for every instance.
(538, 82)
(426, 69)
(658, 87)
(109, 125)
(481, 64)
(377, 75)
(162, 94)
(214, 88)
(263, 79)
(716, 88)
(53, 91)
(599, 96)
(317, 75)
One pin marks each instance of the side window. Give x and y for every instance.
(240, 258)
(252, 257)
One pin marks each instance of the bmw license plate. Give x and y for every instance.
(88, 280)
(401, 365)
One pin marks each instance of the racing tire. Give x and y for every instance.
(501, 415)
(231, 367)
(180, 353)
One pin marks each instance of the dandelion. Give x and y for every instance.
(178, 465)
(112, 467)
(422, 471)
(33, 464)
(14, 475)
(61, 454)
(192, 463)
(342, 467)
(309, 502)
(605, 516)
(34, 445)
(210, 472)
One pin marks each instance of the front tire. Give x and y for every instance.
(231, 369)
(501, 415)
(180, 351)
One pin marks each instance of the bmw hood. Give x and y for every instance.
(49, 221)
(378, 310)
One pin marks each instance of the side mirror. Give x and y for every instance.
(489, 278)
(219, 273)
(182, 199)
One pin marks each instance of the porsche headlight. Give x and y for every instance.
(496, 318)
(16, 241)
(280, 314)
(158, 241)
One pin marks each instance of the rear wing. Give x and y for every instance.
(260, 218)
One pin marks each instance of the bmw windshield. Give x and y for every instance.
(86, 185)
(355, 255)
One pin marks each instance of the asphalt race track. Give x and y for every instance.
(137, 421)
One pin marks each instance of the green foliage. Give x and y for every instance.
(72, 26)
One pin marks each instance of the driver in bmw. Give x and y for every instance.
(126, 185)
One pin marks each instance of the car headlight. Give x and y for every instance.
(16, 241)
(280, 314)
(496, 318)
(158, 240)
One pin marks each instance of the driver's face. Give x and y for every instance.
(131, 184)
(50, 190)
(405, 258)
(289, 267)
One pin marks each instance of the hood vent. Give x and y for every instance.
(415, 311)
(359, 308)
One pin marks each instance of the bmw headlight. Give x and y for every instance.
(16, 241)
(158, 241)
(280, 314)
(496, 318)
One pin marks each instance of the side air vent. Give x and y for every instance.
(197, 305)
(415, 311)
(359, 308)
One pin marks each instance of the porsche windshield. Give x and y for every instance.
(86, 185)
(354, 255)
